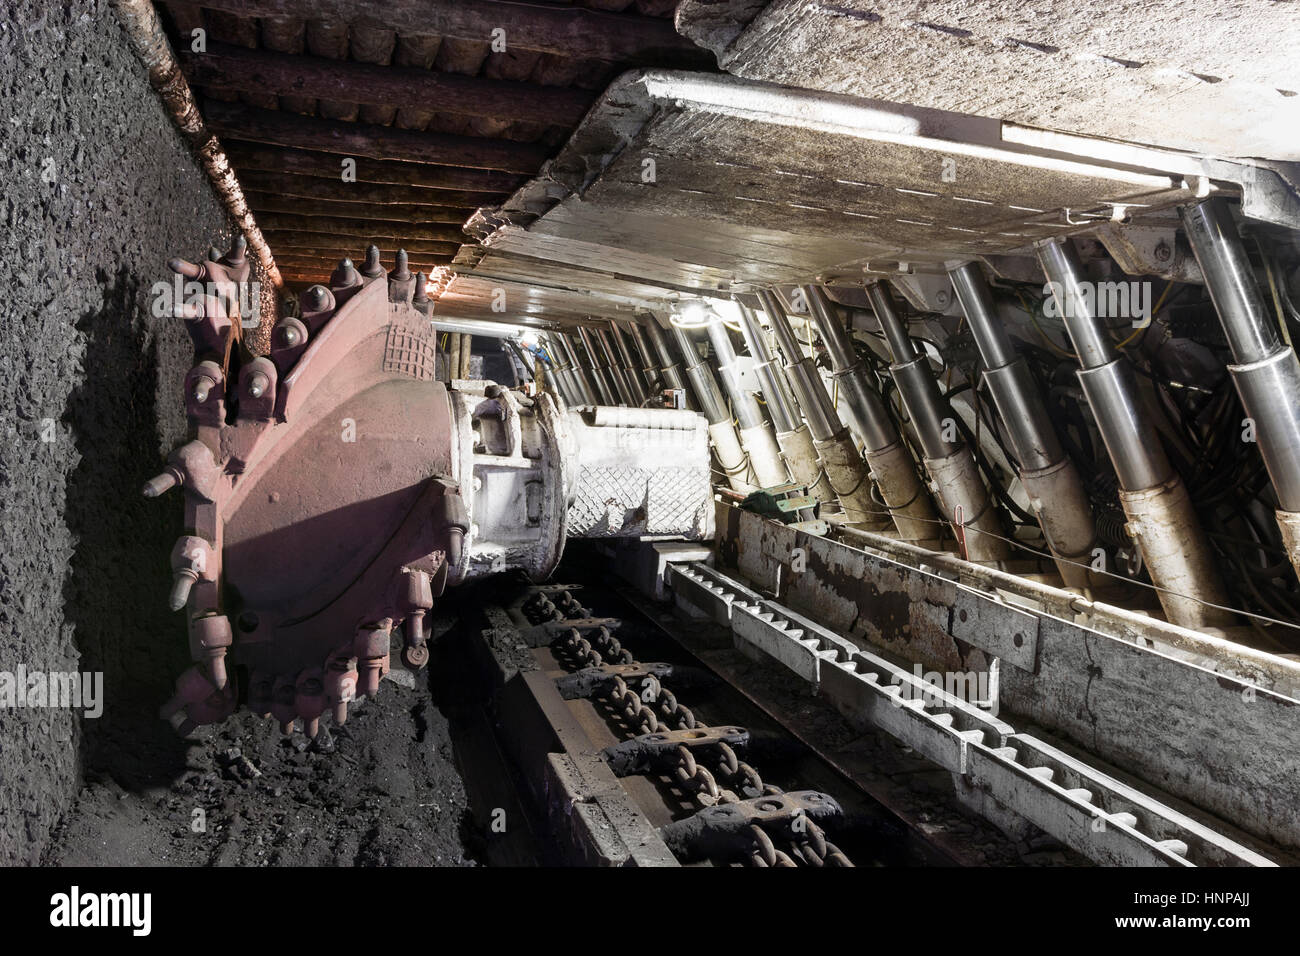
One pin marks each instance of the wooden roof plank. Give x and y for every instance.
(567, 31)
(278, 128)
(233, 68)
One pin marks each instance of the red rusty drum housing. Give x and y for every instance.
(334, 488)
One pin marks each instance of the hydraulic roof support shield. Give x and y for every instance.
(792, 434)
(650, 371)
(581, 378)
(845, 471)
(600, 377)
(727, 447)
(560, 374)
(1266, 372)
(755, 434)
(967, 504)
(1160, 517)
(1051, 481)
(629, 364)
(670, 365)
(614, 364)
(892, 465)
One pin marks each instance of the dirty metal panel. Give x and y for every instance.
(731, 181)
(614, 292)
(736, 251)
(910, 598)
(1101, 817)
(572, 249)
(1222, 743)
(1218, 77)
(876, 192)
(529, 304)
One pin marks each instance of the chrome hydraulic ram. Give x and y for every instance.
(654, 376)
(966, 502)
(670, 365)
(631, 369)
(586, 390)
(565, 375)
(454, 362)
(555, 375)
(844, 468)
(755, 435)
(600, 376)
(1050, 479)
(1266, 372)
(1160, 517)
(614, 366)
(892, 466)
(792, 434)
(722, 432)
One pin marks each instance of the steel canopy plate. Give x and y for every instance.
(1212, 76)
(697, 181)
(515, 302)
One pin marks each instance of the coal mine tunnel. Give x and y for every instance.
(477, 433)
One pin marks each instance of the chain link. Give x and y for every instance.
(638, 708)
(764, 852)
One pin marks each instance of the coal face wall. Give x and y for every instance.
(98, 192)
